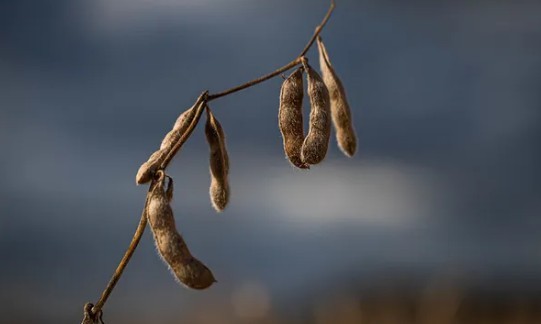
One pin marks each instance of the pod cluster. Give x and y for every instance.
(328, 105)
(219, 159)
(169, 243)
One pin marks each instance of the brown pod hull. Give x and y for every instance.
(149, 168)
(316, 143)
(290, 120)
(170, 244)
(219, 163)
(340, 111)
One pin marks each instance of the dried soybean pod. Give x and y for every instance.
(147, 169)
(340, 112)
(170, 244)
(290, 117)
(219, 162)
(181, 125)
(316, 142)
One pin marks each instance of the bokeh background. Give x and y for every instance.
(437, 218)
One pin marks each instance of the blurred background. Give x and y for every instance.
(435, 220)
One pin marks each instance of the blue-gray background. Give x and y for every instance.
(446, 99)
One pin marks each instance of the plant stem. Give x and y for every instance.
(256, 81)
(125, 259)
(200, 105)
(284, 68)
(318, 30)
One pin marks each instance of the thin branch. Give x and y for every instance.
(126, 258)
(256, 81)
(318, 30)
(284, 68)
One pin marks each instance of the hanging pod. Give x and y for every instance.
(316, 143)
(340, 112)
(290, 118)
(218, 161)
(169, 243)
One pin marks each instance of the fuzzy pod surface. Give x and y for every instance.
(316, 143)
(218, 162)
(290, 119)
(147, 169)
(179, 128)
(340, 111)
(170, 244)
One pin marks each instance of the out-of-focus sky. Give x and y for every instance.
(446, 102)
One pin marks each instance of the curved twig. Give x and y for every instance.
(284, 68)
(96, 309)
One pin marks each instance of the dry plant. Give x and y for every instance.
(328, 102)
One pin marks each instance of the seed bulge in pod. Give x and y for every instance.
(316, 143)
(290, 118)
(179, 128)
